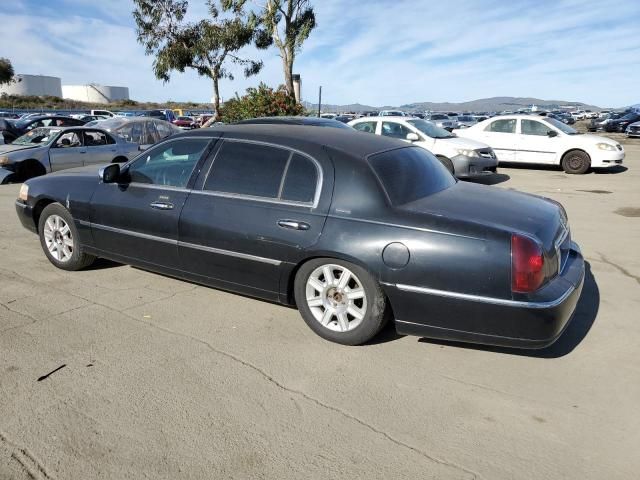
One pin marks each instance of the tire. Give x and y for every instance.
(59, 239)
(448, 164)
(326, 308)
(576, 162)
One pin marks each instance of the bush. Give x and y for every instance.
(260, 102)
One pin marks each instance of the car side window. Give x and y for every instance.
(68, 139)
(502, 126)
(164, 129)
(395, 130)
(150, 134)
(248, 169)
(169, 164)
(300, 181)
(531, 127)
(369, 127)
(94, 138)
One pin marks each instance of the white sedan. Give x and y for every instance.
(463, 157)
(543, 140)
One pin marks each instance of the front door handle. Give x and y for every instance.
(161, 205)
(293, 224)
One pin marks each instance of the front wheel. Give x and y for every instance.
(340, 301)
(59, 239)
(448, 164)
(576, 162)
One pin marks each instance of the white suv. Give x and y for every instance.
(464, 158)
(527, 139)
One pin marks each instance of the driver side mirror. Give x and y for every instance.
(413, 137)
(552, 133)
(110, 173)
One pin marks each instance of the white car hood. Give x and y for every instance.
(466, 143)
(592, 139)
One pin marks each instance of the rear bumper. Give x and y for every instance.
(25, 214)
(468, 167)
(532, 323)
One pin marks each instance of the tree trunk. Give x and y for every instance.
(287, 66)
(216, 97)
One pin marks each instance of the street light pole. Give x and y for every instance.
(319, 100)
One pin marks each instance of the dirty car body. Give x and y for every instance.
(442, 252)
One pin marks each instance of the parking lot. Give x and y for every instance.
(114, 372)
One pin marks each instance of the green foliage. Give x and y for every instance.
(285, 24)
(260, 102)
(205, 46)
(6, 71)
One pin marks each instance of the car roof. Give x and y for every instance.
(351, 142)
(286, 119)
(388, 117)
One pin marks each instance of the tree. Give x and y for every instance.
(6, 71)
(205, 46)
(285, 23)
(260, 102)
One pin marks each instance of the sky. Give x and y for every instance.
(373, 52)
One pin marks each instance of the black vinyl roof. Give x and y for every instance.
(357, 144)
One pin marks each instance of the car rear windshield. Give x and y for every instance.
(408, 174)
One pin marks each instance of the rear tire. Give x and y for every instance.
(576, 162)
(59, 239)
(340, 301)
(448, 164)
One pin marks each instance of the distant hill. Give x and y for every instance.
(494, 104)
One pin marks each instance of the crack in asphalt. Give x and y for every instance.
(34, 467)
(260, 371)
(621, 269)
(308, 397)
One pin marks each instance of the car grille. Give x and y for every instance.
(486, 153)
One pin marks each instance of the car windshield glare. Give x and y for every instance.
(37, 136)
(429, 129)
(561, 126)
(410, 173)
(109, 124)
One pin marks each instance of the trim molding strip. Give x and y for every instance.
(178, 243)
(491, 300)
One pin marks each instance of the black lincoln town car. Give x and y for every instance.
(351, 228)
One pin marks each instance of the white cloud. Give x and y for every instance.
(377, 52)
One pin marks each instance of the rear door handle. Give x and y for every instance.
(293, 224)
(161, 205)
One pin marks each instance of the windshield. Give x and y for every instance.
(439, 117)
(561, 126)
(408, 174)
(429, 129)
(37, 136)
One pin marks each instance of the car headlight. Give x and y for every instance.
(467, 152)
(24, 192)
(4, 160)
(606, 146)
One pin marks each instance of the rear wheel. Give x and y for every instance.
(576, 162)
(448, 164)
(59, 239)
(340, 301)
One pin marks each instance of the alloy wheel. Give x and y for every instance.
(336, 298)
(58, 238)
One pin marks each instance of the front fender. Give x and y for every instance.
(6, 176)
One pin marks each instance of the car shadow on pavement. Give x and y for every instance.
(583, 318)
(101, 264)
(555, 168)
(491, 179)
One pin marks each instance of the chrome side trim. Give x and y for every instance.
(20, 204)
(238, 196)
(203, 248)
(220, 251)
(134, 234)
(483, 299)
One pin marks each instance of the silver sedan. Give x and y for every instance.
(49, 149)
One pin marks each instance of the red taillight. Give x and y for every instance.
(527, 265)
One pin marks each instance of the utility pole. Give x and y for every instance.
(319, 100)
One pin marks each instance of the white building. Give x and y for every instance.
(95, 93)
(33, 85)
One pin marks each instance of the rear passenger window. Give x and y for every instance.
(502, 126)
(301, 180)
(248, 169)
